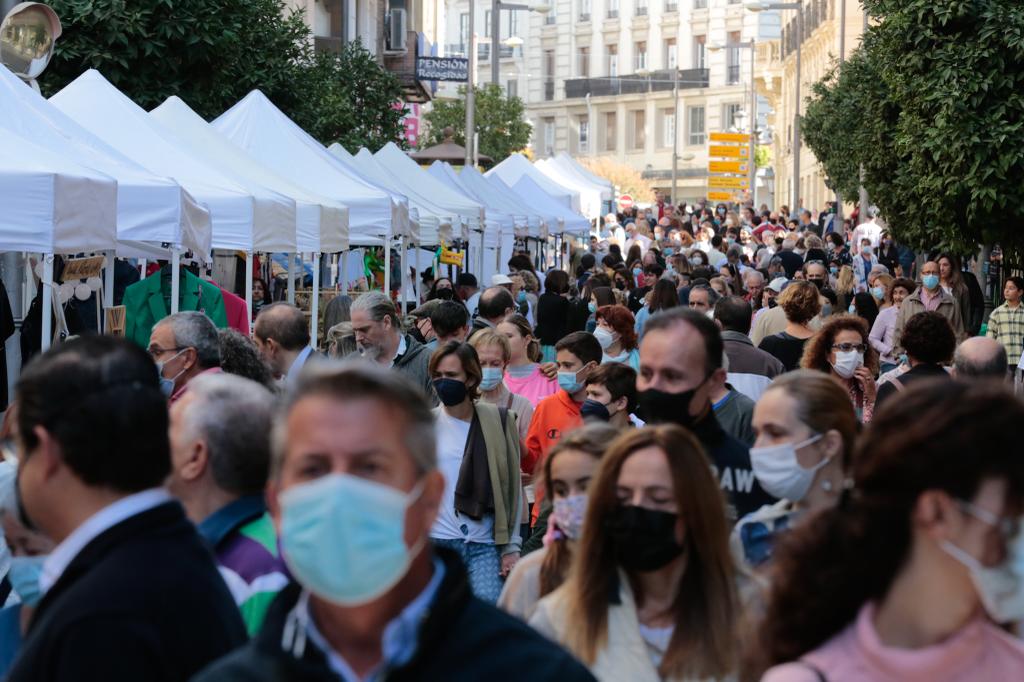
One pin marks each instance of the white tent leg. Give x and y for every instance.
(175, 279)
(403, 281)
(314, 306)
(387, 265)
(108, 281)
(47, 284)
(248, 289)
(343, 272)
(291, 278)
(418, 279)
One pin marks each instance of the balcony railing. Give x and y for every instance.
(483, 51)
(455, 50)
(657, 81)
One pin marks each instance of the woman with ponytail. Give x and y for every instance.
(567, 472)
(523, 375)
(907, 578)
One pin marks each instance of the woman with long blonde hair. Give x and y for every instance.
(650, 594)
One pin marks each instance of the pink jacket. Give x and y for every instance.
(978, 652)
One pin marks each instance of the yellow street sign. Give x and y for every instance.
(728, 167)
(728, 151)
(720, 196)
(730, 137)
(728, 183)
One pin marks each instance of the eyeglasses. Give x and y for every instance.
(157, 351)
(847, 347)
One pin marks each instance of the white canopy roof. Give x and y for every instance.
(516, 166)
(262, 130)
(319, 223)
(96, 104)
(571, 221)
(528, 222)
(590, 194)
(51, 204)
(575, 167)
(495, 222)
(149, 208)
(410, 218)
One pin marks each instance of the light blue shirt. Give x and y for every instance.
(400, 639)
(296, 369)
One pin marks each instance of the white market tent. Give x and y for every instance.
(110, 115)
(528, 222)
(534, 194)
(150, 209)
(320, 224)
(409, 225)
(517, 166)
(575, 168)
(52, 205)
(590, 194)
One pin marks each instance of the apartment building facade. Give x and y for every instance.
(601, 75)
(513, 36)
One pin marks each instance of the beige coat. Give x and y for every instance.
(912, 305)
(521, 593)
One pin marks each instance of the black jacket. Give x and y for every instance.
(142, 601)
(921, 372)
(461, 638)
(552, 315)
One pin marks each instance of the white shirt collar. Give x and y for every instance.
(297, 365)
(106, 518)
(402, 346)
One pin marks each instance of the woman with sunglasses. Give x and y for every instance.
(841, 350)
(909, 576)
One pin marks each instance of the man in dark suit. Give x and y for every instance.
(129, 592)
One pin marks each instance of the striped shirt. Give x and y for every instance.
(1006, 325)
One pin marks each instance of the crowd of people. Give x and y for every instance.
(682, 459)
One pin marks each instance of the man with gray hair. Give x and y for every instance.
(184, 345)
(354, 493)
(980, 357)
(380, 339)
(220, 460)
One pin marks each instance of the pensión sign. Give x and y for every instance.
(442, 69)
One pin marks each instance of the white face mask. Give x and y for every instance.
(605, 337)
(1001, 587)
(847, 363)
(779, 472)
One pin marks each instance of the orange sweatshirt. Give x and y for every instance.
(553, 416)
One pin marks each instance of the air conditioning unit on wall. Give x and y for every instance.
(397, 29)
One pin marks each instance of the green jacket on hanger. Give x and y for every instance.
(145, 303)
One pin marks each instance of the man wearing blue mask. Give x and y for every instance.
(930, 296)
(183, 346)
(354, 492)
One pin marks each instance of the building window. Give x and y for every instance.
(668, 127)
(583, 62)
(641, 8)
(549, 136)
(732, 58)
(464, 32)
(513, 23)
(487, 23)
(700, 52)
(550, 18)
(696, 118)
(613, 9)
(640, 56)
(549, 75)
(700, 4)
(584, 134)
(638, 130)
(610, 132)
(512, 88)
(613, 60)
(671, 57)
(729, 112)
(584, 10)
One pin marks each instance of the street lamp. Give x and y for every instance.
(496, 7)
(758, 6)
(752, 172)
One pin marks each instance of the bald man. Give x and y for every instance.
(980, 357)
(282, 336)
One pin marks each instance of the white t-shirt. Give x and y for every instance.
(452, 435)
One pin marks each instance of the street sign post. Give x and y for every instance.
(738, 138)
(720, 196)
(725, 182)
(728, 151)
(738, 167)
(625, 202)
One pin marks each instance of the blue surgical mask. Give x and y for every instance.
(878, 293)
(852, 309)
(930, 281)
(592, 307)
(491, 378)
(167, 385)
(343, 537)
(637, 272)
(568, 383)
(24, 576)
(521, 296)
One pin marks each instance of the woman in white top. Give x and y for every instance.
(650, 594)
(477, 445)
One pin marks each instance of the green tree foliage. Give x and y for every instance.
(500, 121)
(211, 53)
(930, 105)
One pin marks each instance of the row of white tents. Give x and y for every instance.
(90, 171)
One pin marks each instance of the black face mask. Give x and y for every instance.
(644, 539)
(772, 303)
(450, 392)
(818, 283)
(592, 409)
(661, 407)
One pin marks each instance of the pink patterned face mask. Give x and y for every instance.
(568, 513)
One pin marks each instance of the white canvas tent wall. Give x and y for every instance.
(151, 210)
(528, 223)
(590, 194)
(518, 166)
(569, 220)
(576, 169)
(52, 205)
(110, 115)
(409, 225)
(549, 220)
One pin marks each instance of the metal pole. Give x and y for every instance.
(863, 197)
(175, 279)
(108, 281)
(675, 133)
(796, 115)
(291, 277)
(48, 291)
(248, 290)
(837, 221)
(314, 303)
(495, 42)
(470, 83)
(753, 130)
